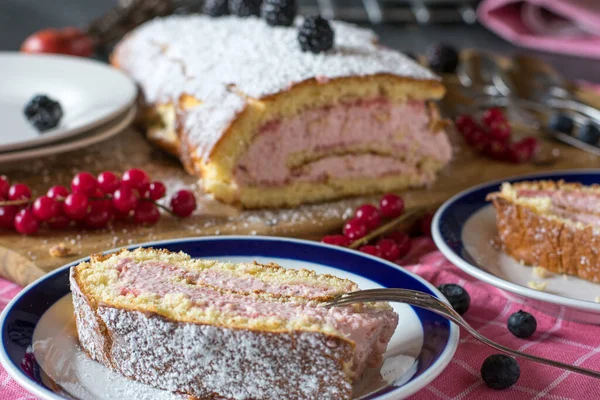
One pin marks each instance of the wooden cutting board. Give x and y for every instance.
(23, 259)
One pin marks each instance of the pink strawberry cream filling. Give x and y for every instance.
(372, 138)
(577, 206)
(370, 329)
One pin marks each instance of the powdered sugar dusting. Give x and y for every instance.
(204, 56)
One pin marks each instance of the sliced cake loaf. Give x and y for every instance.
(265, 124)
(555, 225)
(219, 330)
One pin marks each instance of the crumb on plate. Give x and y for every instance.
(597, 299)
(541, 286)
(541, 273)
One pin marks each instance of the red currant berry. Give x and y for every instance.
(500, 131)
(124, 199)
(84, 183)
(425, 224)
(183, 203)
(354, 229)
(134, 178)
(4, 186)
(370, 249)
(336, 240)
(19, 191)
(519, 152)
(391, 205)
(146, 213)
(59, 222)
(389, 249)
(478, 140)
(7, 216)
(45, 208)
(76, 206)
(532, 144)
(108, 182)
(465, 123)
(25, 222)
(156, 190)
(57, 192)
(369, 214)
(99, 214)
(497, 149)
(493, 115)
(403, 241)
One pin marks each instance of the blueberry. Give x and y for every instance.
(43, 112)
(315, 35)
(589, 133)
(522, 324)
(457, 296)
(561, 123)
(500, 371)
(442, 58)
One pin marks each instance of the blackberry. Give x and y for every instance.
(442, 58)
(457, 296)
(561, 123)
(315, 35)
(280, 12)
(215, 8)
(589, 133)
(500, 371)
(522, 324)
(43, 112)
(245, 8)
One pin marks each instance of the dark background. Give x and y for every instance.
(18, 18)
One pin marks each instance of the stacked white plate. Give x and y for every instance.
(97, 101)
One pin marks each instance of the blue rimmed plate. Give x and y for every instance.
(39, 349)
(464, 229)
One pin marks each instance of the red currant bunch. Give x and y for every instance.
(92, 202)
(492, 137)
(367, 218)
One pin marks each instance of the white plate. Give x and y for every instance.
(464, 229)
(90, 93)
(96, 135)
(40, 350)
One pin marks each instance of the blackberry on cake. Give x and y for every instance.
(315, 35)
(245, 8)
(551, 224)
(280, 12)
(209, 329)
(265, 124)
(215, 8)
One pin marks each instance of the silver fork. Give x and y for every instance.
(431, 303)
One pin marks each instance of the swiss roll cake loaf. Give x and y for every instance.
(220, 330)
(265, 124)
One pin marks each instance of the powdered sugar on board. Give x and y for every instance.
(204, 56)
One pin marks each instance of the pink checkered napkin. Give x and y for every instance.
(565, 341)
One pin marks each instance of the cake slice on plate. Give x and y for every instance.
(554, 225)
(265, 124)
(219, 330)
